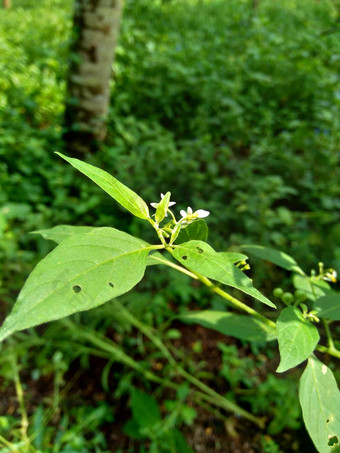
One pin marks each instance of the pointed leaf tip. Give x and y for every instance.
(118, 191)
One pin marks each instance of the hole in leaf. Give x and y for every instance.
(199, 250)
(76, 289)
(333, 441)
(184, 257)
(111, 284)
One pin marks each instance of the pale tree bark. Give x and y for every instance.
(6, 3)
(95, 33)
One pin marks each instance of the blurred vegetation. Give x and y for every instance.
(234, 109)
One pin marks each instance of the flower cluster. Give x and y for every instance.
(172, 229)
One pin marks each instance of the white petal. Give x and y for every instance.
(154, 205)
(183, 213)
(189, 210)
(201, 213)
(171, 203)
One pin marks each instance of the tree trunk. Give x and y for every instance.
(7, 4)
(95, 32)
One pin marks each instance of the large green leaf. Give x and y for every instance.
(197, 230)
(238, 326)
(198, 256)
(328, 306)
(320, 401)
(297, 338)
(122, 194)
(82, 272)
(274, 256)
(61, 232)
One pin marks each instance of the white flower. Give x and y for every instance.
(186, 213)
(331, 276)
(199, 214)
(155, 205)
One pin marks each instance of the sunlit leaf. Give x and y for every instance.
(82, 272)
(162, 207)
(61, 232)
(297, 338)
(233, 257)
(198, 256)
(122, 194)
(197, 230)
(320, 401)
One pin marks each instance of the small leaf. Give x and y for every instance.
(281, 259)
(198, 256)
(122, 194)
(197, 230)
(145, 409)
(320, 401)
(311, 287)
(238, 326)
(82, 272)
(328, 306)
(162, 207)
(61, 232)
(297, 338)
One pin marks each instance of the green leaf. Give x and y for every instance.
(320, 401)
(238, 326)
(162, 207)
(82, 272)
(145, 409)
(155, 259)
(181, 443)
(198, 256)
(62, 232)
(281, 259)
(314, 289)
(328, 306)
(297, 338)
(197, 230)
(122, 194)
(233, 257)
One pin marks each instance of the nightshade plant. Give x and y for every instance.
(91, 266)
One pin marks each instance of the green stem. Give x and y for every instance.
(232, 300)
(20, 396)
(8, 445)
(174, 266)
(328, 334)
(328, 350)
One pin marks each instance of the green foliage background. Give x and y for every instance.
(234, 110)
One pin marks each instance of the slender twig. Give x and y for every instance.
(20, 396)
(232, 300)
(328, 334)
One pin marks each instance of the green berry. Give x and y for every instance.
(287, 298)
(278, 292)
(300, 295)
